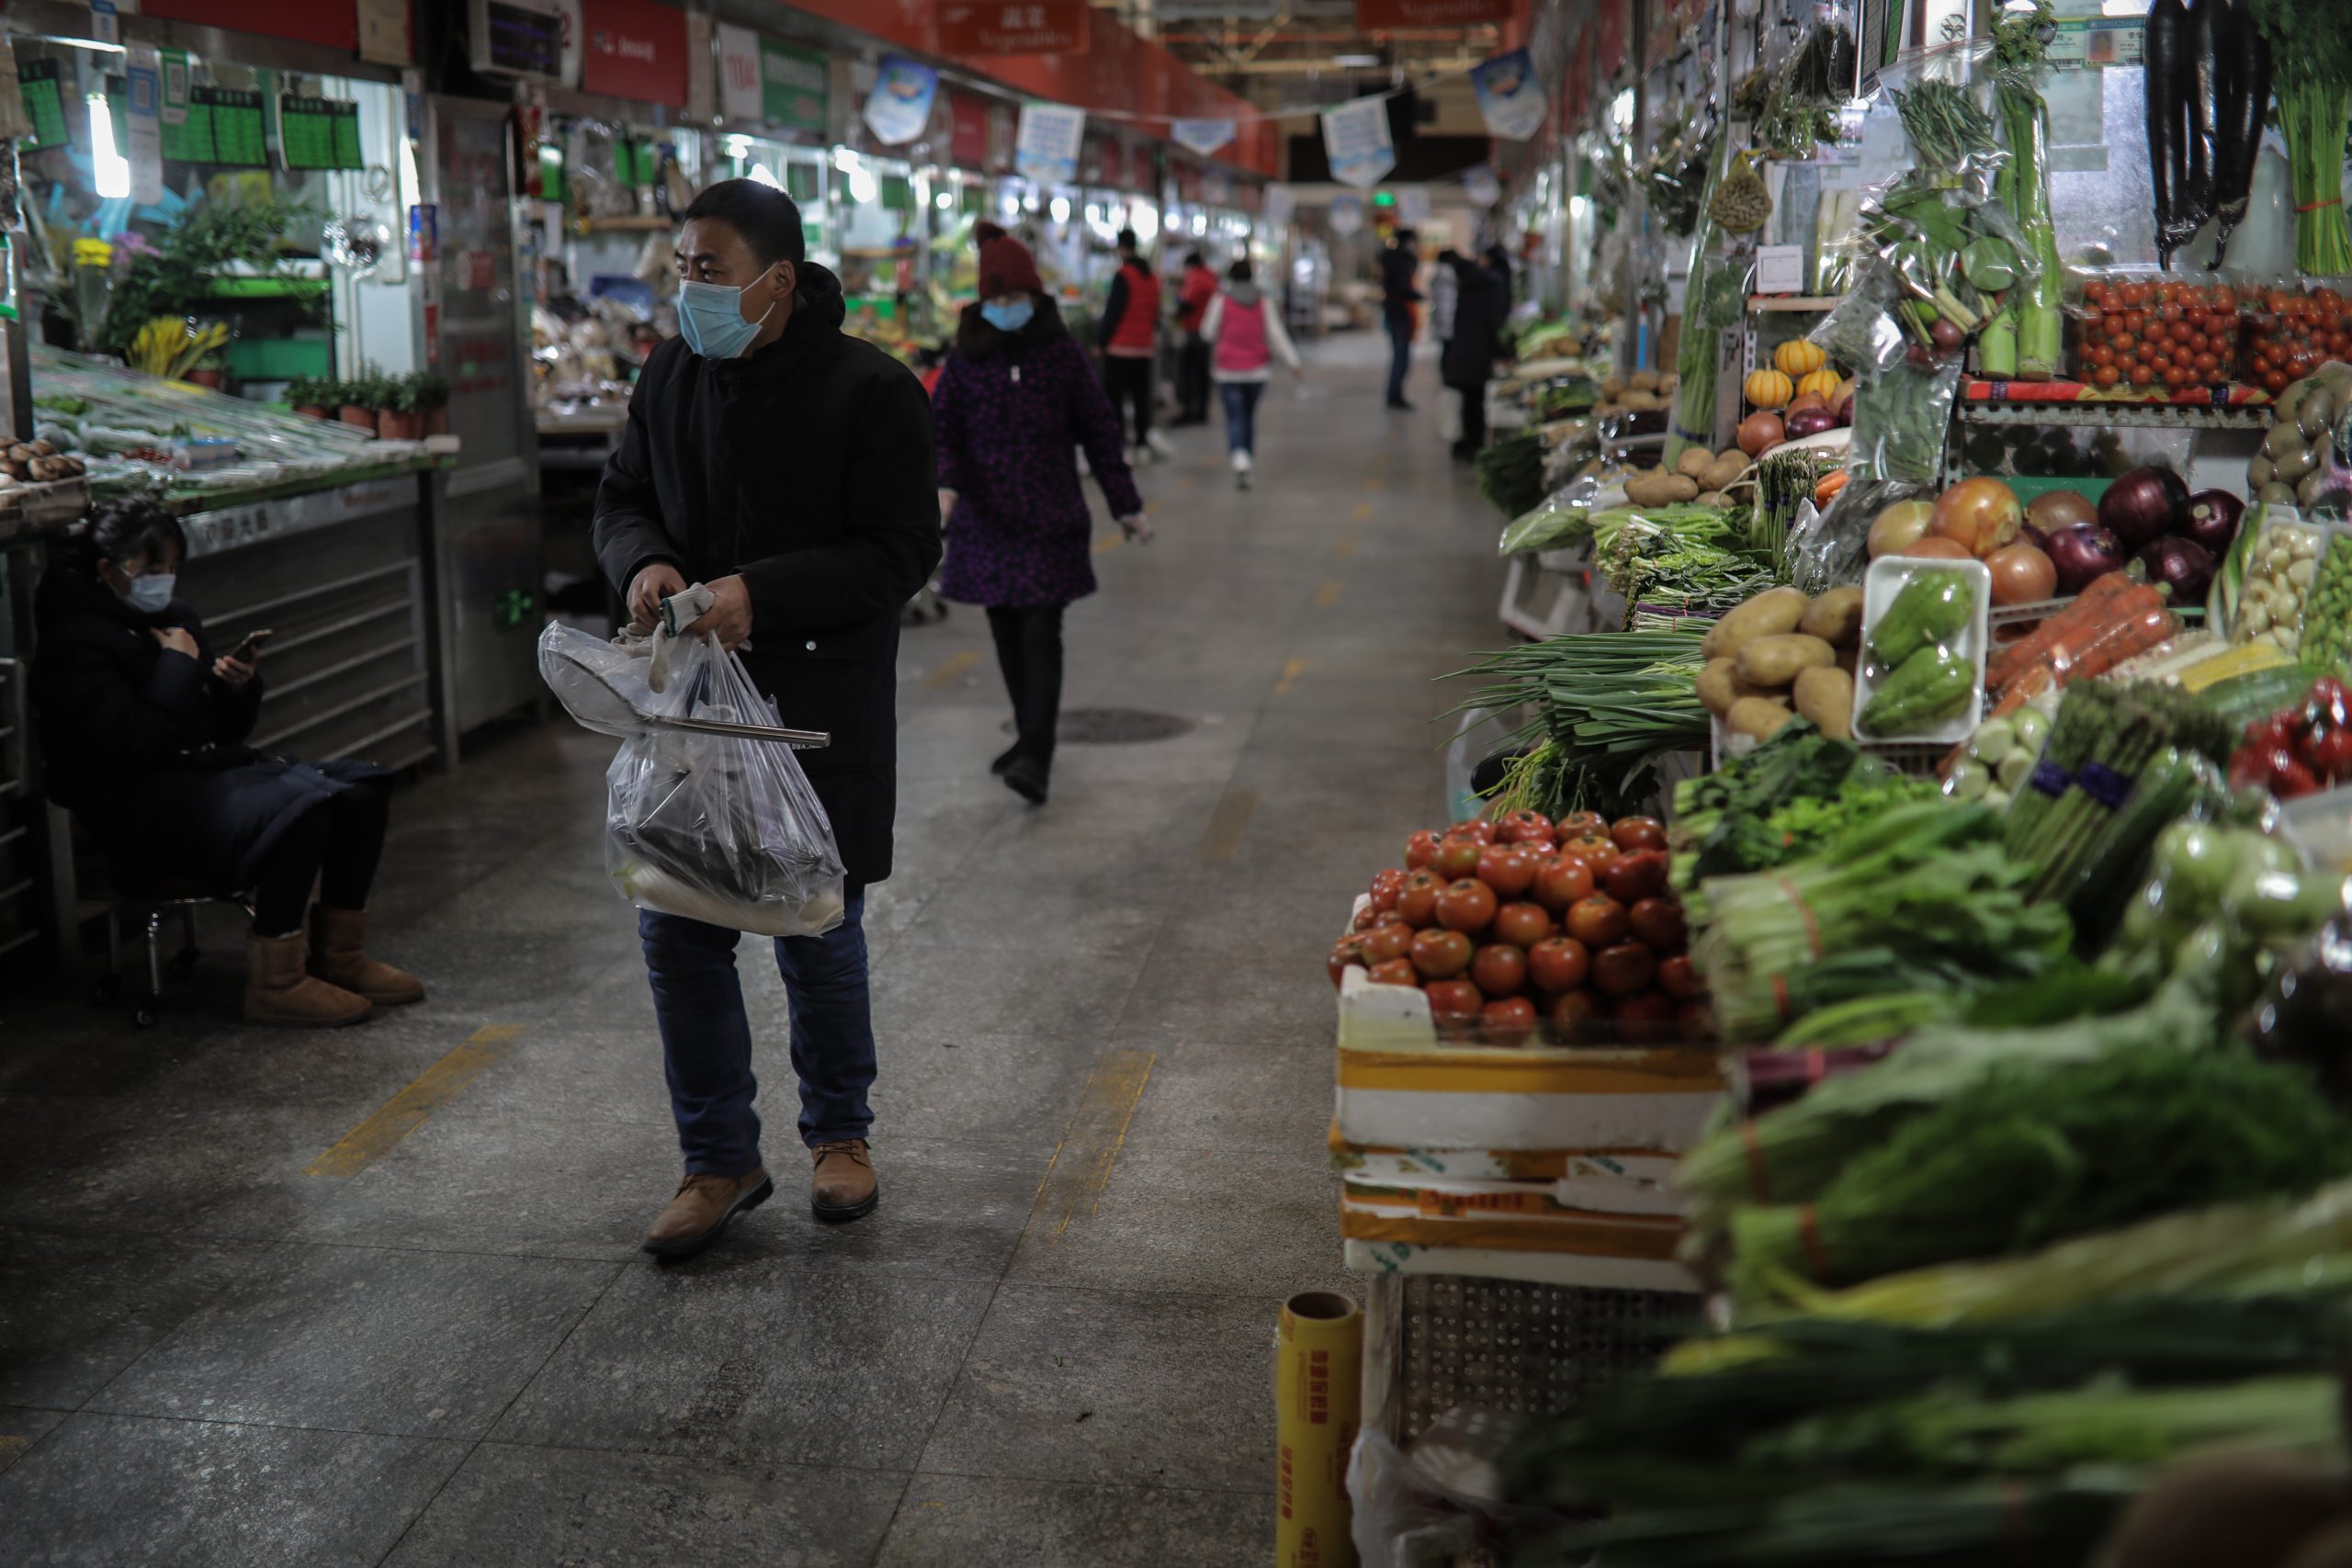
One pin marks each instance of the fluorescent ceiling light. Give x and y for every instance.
(1355, 62)
(110, 171)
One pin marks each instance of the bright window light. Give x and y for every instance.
(1200, 222)
(943, 200)
(737, 146)
(862, 188)
(1060, 209)
(760, 176)
(846, 160)
(1621, 111)
(1144, 218)
(1094, 213)
(109, 169)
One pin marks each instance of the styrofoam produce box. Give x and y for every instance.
(1888, 576)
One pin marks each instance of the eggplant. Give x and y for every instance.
(2162, 47)
(2200, 77)
(2246, 64)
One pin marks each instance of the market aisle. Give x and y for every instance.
(251, 1313)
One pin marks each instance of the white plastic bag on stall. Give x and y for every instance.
(720, 829)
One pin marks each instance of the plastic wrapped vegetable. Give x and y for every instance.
(1930, 608)
(2113, 619)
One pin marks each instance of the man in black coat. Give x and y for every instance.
(1398, 266)
(788, 467)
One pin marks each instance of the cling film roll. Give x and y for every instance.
(1318, 1357)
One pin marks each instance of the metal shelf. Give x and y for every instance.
(1808, 304)
(2117, 416)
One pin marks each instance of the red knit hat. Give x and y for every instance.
(1006, 265)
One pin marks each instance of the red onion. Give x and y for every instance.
(2213, 517)
(2081, 553)
(2145, 504)
(2183, 565)
(1810, 421)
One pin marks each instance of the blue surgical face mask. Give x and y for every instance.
(1009, 318)
(150, 594)
(710, 318)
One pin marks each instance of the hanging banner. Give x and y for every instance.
(1355, 138)
(899, 106)
(1510, 97)
(967, 132)
(635, 49)
(143, 130)
(1276, 208)
(1202, 136)
(1045, 150)
(739, 72)
(1346, 213)
(1481, 187)
(795, 86)
(1386, 15)
(1413, 206)
(1031, 27)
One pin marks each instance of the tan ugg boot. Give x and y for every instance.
(337, 940)
(277, 991)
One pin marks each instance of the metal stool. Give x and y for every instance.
(147, 906)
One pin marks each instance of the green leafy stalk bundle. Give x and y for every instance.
(2311, 52)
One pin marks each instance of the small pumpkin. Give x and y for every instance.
(1799, 356)
(1824, 381)
(1767, 389)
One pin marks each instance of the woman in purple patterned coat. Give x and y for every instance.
(1015, 402)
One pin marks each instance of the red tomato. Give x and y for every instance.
(1417, 900)
(1596, 849)
(1581, 825)
(1499, 969)
(2105, 375)
(1391, 939)
(1559, 964)
(1622, 970)
(1365, 918)
(1597, 922)
(1420, 849)
(1632, 833)
(1384, 888)
(1525, 827)
(1696, 1020)
(1639, 876)
(1508, 1021)
(1521, 925)
(1508, 869)
(1561, 881)
(1476, 827)
(1346, 955)
(1439, 955)
(2141, 374)
(1656, 922)
(1678, 978)
(1396, 972)
(1643, 1019)
(1466, 906)
(1573, 1015)
(1453, 1001)
(1457, 856)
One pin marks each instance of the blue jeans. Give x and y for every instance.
(1240, 413)
(1400, 352)
(707, 1039)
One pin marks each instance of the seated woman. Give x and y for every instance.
(142, 732)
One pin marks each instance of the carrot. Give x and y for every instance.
(2094, 604)
(2134, 621)
(1831, 483)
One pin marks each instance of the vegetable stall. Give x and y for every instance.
(1891, 970)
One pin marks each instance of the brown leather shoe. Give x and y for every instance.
(338, 955)
(842, 1186)
(277, 991)
(706, 1201)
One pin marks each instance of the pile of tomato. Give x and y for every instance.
(2152, 334)
(2291, 334)
(1510, 925)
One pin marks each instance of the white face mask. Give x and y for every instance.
(151, 592)
(710, 318)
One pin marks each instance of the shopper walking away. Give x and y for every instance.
(1248, 336)
(1398, 264)
(1192, 298)
(1443, 294)
(1015, 404)
(1469, 362)
(1129, 335)
(787, 467)
(142, 730)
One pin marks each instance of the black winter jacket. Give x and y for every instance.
(807, 469)
(1479, 310)
(147, 748)
(1397, 267)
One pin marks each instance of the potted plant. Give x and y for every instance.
(362, 396)
(210, 371)
(399, 417)
(433, 400)
(313, 395)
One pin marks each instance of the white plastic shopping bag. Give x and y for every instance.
(718, 828)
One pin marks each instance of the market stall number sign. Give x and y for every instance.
(319, 133)
(44, 102)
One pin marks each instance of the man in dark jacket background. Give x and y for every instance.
(1398, 264)
(788, 467)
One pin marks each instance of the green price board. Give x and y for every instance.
(551, 187)
(898, 193)
(190, 141)
(44, 100)
(235, 115)
(801, 181)
(318, 133)
(635, 164)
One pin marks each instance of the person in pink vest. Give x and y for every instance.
(1248, 336)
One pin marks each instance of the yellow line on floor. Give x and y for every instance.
(1346, 547)
(1362, 511)
(951, 670)
(1089, 1146)
(1229, 821)
(1109, 541)
(1329, 595)
(1291, 672)
(406, 1112)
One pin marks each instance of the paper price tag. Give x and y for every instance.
(1780, 269)
(106, 26)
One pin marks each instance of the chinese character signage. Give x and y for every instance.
(1013, 27)
(634, 49)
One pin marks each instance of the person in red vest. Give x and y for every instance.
(1193, 369)
(1248, 332)
(1130, 341)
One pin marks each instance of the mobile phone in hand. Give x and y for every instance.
(252, 645)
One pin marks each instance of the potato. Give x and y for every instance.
(1668, 382)
(2277, 494)
(1711, 498)
(1643, 380)
(1759, 718)
(1826, 697)
(1719, 473)
(1696, 462)
(1658, 488)
(1770, 612)
(1848, 658)
(1640, 401)
(44, 449)
(1612, 388)
(1777, 661)
(1720, 685)
(1835, 617)
(2240, 1506)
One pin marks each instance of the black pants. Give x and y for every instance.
(1029, 651)
(1129, 384)
(1474, 421)
(1192, 381)
(335, 844)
